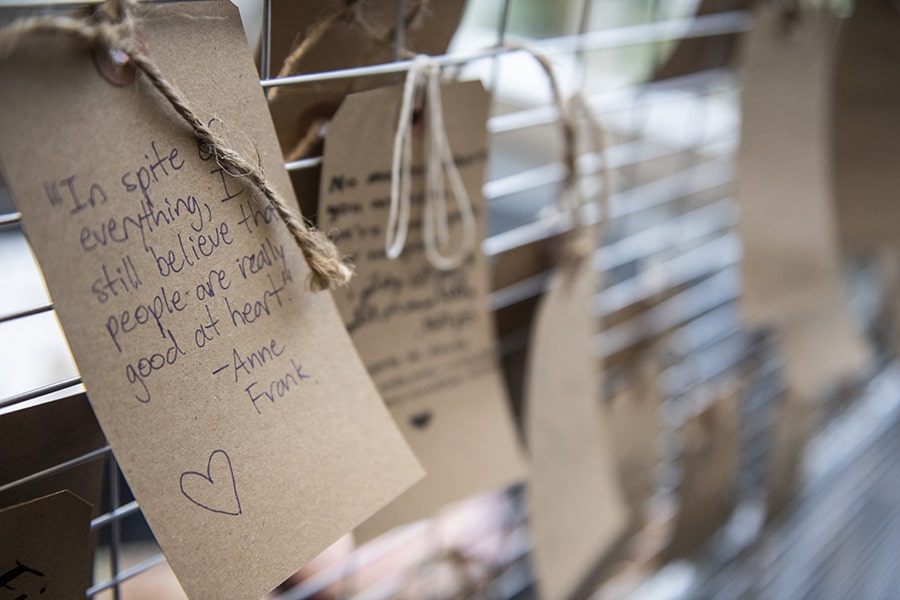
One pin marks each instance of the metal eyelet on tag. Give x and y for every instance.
(115, 65)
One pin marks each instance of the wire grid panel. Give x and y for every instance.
(672, 248)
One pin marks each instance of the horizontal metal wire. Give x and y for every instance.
(41, 391)
(717, 289)
(659, 31)
(10, 218)
(303, 163)
(28, 312)
(126, 574)
(621, 155)
(712, 219)
(693, 180)
(611, 101)
(713, 256)
(64, 466)
(686, 227)
(116, 514)
(99, 521)
(714, 292)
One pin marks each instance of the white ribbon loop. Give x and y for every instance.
(440, 166)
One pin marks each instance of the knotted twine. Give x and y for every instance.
(423, 79)
(112, 28)
(573, 199)
(424, 74)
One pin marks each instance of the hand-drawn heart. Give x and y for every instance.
(421, 420)
(212, 490)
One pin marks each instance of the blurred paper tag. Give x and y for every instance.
(577, 511)
(791, 265)
(702, 53)
(866, 126)
(232, 397)
(633, 412)
(794, 422)
(710, 449)
(425, 335)
(45, 549)
(44, 436)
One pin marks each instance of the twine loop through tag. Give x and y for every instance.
(424, 76)
(112, 28)
(578, 105)
(573, 199)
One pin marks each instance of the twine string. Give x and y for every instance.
(573, 198)
(440, 166)
(112, 27)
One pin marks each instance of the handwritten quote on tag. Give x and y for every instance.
(231, 395)
(425, 334)
(193, 254)
(443, 306)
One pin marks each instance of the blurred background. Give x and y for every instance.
(746, 320)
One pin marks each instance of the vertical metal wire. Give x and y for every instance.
(115, 527)
(400, 30)
(265, 55)
(580, 58)
(655, 12)
(502, 24)
(347, 586)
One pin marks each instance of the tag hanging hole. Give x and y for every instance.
(115, 66)
(418, 121)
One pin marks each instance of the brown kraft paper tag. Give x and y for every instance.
(696, 54)
(44, 436)
(794, 422)
(345, 43)
(45, 549)
(708, 463)
(425, 335)
(232, 397)
(791, 265)
(367, 38)
(866, 126)
(577, 511)
(634, 415)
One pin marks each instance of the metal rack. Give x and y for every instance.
(671, 211)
